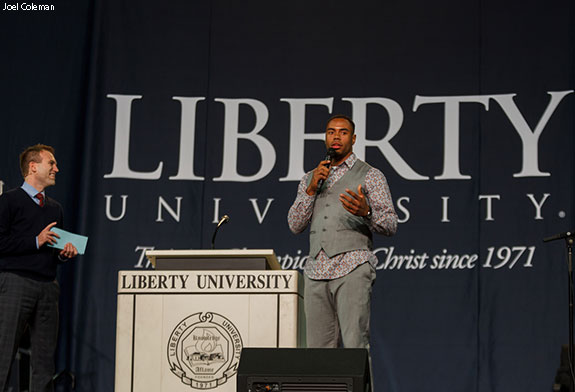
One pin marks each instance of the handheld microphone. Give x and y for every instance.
(224, 219)
(328, 157)
(559, 236)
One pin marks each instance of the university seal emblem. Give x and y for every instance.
(204, 350)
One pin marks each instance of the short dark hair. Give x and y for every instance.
(342, 116)
(32, 154)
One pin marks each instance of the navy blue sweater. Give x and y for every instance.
(21, 220)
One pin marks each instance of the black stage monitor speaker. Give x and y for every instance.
(303, 370)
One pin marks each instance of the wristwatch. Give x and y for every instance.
(368, 216)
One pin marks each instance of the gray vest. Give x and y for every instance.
(333, 228)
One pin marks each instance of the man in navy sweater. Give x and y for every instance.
(28, 288)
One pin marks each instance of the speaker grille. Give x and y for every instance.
(303, 370)
(313, 387)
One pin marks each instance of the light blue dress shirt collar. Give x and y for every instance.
(32, 192)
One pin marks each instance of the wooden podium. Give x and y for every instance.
(184, 324)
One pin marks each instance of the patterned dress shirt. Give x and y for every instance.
(383, 221)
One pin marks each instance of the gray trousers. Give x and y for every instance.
(27, 303)
(338, 311)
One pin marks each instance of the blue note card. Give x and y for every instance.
(79, 241)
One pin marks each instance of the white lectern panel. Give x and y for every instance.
(182, 330)
(147, 345)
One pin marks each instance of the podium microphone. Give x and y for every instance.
(559, 236)
(328, 157)
(224, 219)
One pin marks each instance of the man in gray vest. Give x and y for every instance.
(345, 200)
